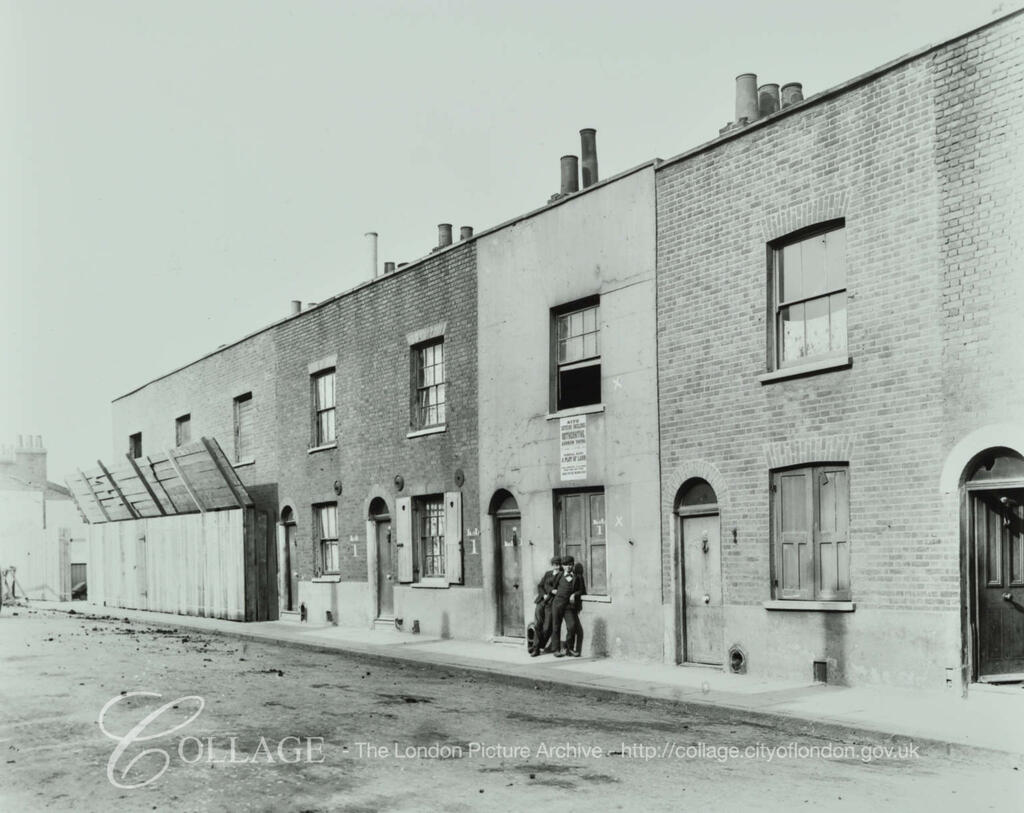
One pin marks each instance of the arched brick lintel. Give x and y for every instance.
(374, 491)
(780, 222)
(283, 506)
(830, 449)
(688, 470)
(1010, 435)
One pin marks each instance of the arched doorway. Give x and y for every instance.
(287, 577)
(387, 559)
(993, 484)
(509, 565)
(698, 530)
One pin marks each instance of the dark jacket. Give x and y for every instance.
(577, 596)
(547, 585)
(568, 588)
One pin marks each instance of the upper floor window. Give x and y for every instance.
(429, 379)
(243, 428)
(323, 408)
(577, 354)
(811, 533)
(809, 296)
(135, 445)
(182, 430)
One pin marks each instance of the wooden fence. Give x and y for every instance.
(177, 532)
(217, 564)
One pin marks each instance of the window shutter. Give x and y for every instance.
(794, 509)
(833, 533)
(453, 536)
(403, 530)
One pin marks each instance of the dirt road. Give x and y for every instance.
(237, 726)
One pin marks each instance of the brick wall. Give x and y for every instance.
(979, 121)
(206, 390)
(367, 331)
(864, 155)
(918, 161)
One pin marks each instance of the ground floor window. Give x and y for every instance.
(325, 524)
(430, 536)
(811, 533)
(429, 539)
(581, 534)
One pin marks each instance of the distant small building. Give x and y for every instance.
(42, 535)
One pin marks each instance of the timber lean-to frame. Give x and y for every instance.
(194, 478)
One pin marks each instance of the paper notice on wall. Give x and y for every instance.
(573, 445)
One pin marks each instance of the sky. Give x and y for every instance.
(174, 172)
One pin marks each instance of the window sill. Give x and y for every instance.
(598, 599)
(247, 462)
(334, 578)
(812, 606)
(589, 409)
(323, 448)
(431, 584)
(822, 366)
(430, 430)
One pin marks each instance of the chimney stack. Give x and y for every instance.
(792, 92)
(570, 175)
(311, 305)
(389, 268)
(767, 100)
(296, 306)
(465, 232)
(588, 151)
(746, 99)
(444, 234)
(371, 252)
(30, 459)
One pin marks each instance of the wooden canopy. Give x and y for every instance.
(194, 478)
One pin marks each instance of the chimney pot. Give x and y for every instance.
(767, 99)
(588, 151)
(371, 252)
(792, 92)
(389, 267)
(570, 174)
(296, 306)
(465, 232)
(444, 234)
(746, 97)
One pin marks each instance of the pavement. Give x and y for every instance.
(989, 717)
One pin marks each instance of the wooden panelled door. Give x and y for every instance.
(387, 572)
(702, 588)
(997, 542)
(286, 586)
(512, 624)
(293, 574)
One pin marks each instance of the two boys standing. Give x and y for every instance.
(559, 597)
